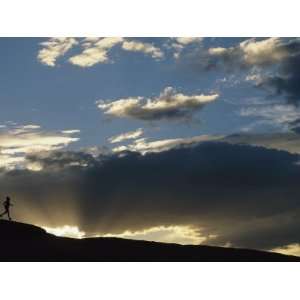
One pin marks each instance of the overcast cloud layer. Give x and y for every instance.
(243, 195)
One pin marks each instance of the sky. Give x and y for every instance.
(189, 140)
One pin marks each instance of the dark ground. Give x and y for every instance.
(24, 242)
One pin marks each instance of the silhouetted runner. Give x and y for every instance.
(7, 204)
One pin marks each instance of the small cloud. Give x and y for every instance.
(95, 51)
(126, 136)
(71, 131)
(179, 43)
(143, 146)
(188, 40)
(31, 126)
(147, 48)
(54, 48)
(169, 105)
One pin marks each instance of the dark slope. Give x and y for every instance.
(24, 242)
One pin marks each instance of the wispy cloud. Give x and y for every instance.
(20, 140)
(144, 146)
(126, 136)
(71, 131)
(179, 43)
(281, 116)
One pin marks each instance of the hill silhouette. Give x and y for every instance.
(25, 242)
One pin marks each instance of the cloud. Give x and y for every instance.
(179, 43)
(169, 105)
(188, 40)
(71, 131)
(17, 141)
(249, 53)
(273, 63)
(264, 52)
(288, 141)
(147, 48)
(283, 117)
(59, 160)
(286, 81)
(143, 146)
(53, 48)
(126, 136)
(95, 51)
(239, 194)
(9, 161)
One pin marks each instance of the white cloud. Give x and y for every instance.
(251, 53)
(96, 51)
(31, 126)
(71, 131)
(54, 48)
(188, 40)
(126, 136)
(264, 51)
(147, 48)
(143, 146)
(18, 141)
(168, 105)
(182, 42)
(9, 161)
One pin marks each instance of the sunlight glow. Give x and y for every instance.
(166, 234)
(292, 249)
(66, 231)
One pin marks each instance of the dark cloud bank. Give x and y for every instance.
(248, 196)
(287, 81)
